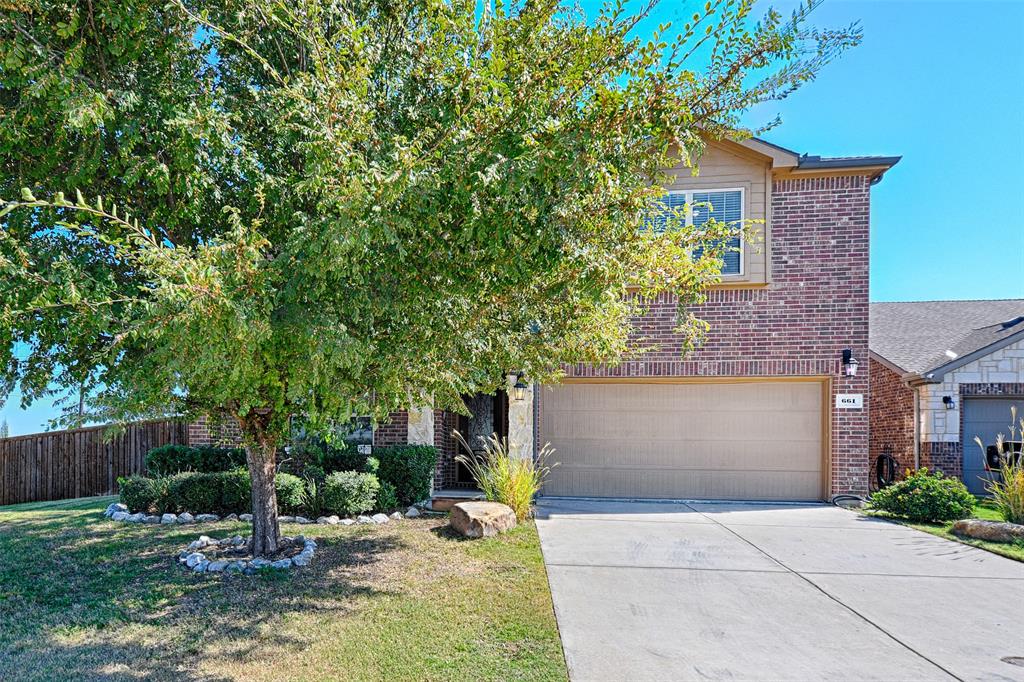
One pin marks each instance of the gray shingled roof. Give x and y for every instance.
(916, 336)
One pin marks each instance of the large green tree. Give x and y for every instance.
(332, 207)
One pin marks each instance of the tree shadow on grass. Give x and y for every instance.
(99, 600)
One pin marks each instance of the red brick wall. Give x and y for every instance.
(892, 417)
(945, 457)
(394, 431)
(217, 432)
(815, 306)
(444, 426)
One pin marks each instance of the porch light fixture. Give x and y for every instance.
(851, 363)
(519, 386)
(947, 400)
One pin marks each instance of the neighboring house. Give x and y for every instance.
(943, 372)
(765, 408)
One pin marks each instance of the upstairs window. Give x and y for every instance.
(724, 205)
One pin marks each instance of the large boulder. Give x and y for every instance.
(482, 519)
(993, 531)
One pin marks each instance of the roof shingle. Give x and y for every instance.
(921, 336)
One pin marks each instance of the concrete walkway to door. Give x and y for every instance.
(734, 591)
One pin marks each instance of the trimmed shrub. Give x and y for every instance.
(227, 492)
(343, 456)
(387, 497)
(313, 472)
(925, 496)
(312, 497)
(166, 458)
(312, 451)
(139, 494)
(291, 493)
(350, 492)
(195, 492)
(171, 459)
(409, 468)
(236, 491)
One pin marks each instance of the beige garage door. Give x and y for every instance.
(744, 441)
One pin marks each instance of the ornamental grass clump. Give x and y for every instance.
(925, 496)
(1007, 486)
(505, 478)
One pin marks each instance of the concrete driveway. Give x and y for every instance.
(730, 591)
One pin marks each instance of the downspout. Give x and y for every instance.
(917, 428)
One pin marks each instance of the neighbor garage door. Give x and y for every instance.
(753, 441)
(985, 418)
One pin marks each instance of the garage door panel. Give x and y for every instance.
(771, 485)
(729, 440)
(736, 455)
(985, 418)
(701, 424)
(632, 483)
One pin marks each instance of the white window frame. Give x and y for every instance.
(743, 216)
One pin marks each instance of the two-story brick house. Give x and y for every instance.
(756, 411)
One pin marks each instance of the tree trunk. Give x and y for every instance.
(265, 531)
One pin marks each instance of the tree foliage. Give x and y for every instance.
(327, 208)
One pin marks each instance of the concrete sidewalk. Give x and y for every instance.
(733, 591)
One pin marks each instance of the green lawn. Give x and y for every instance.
(86, 598)
(984, 510)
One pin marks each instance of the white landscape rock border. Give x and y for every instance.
(196, 561)
(119, 512)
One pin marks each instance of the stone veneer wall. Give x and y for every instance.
(939, 425)
(1000, 373)
(891, 417)
(815, 306)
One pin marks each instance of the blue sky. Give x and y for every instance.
(936, 82)
(939, 83)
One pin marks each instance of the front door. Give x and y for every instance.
(489, 415)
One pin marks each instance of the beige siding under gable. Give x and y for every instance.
(722, 168)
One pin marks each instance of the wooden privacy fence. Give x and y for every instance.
(79, 462)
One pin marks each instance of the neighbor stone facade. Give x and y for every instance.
(941, 429)
(983, 376)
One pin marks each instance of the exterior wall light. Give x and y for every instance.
(947, 400)
(851, 363)
(519, 386)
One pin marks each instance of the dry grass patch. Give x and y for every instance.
(85, 598)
